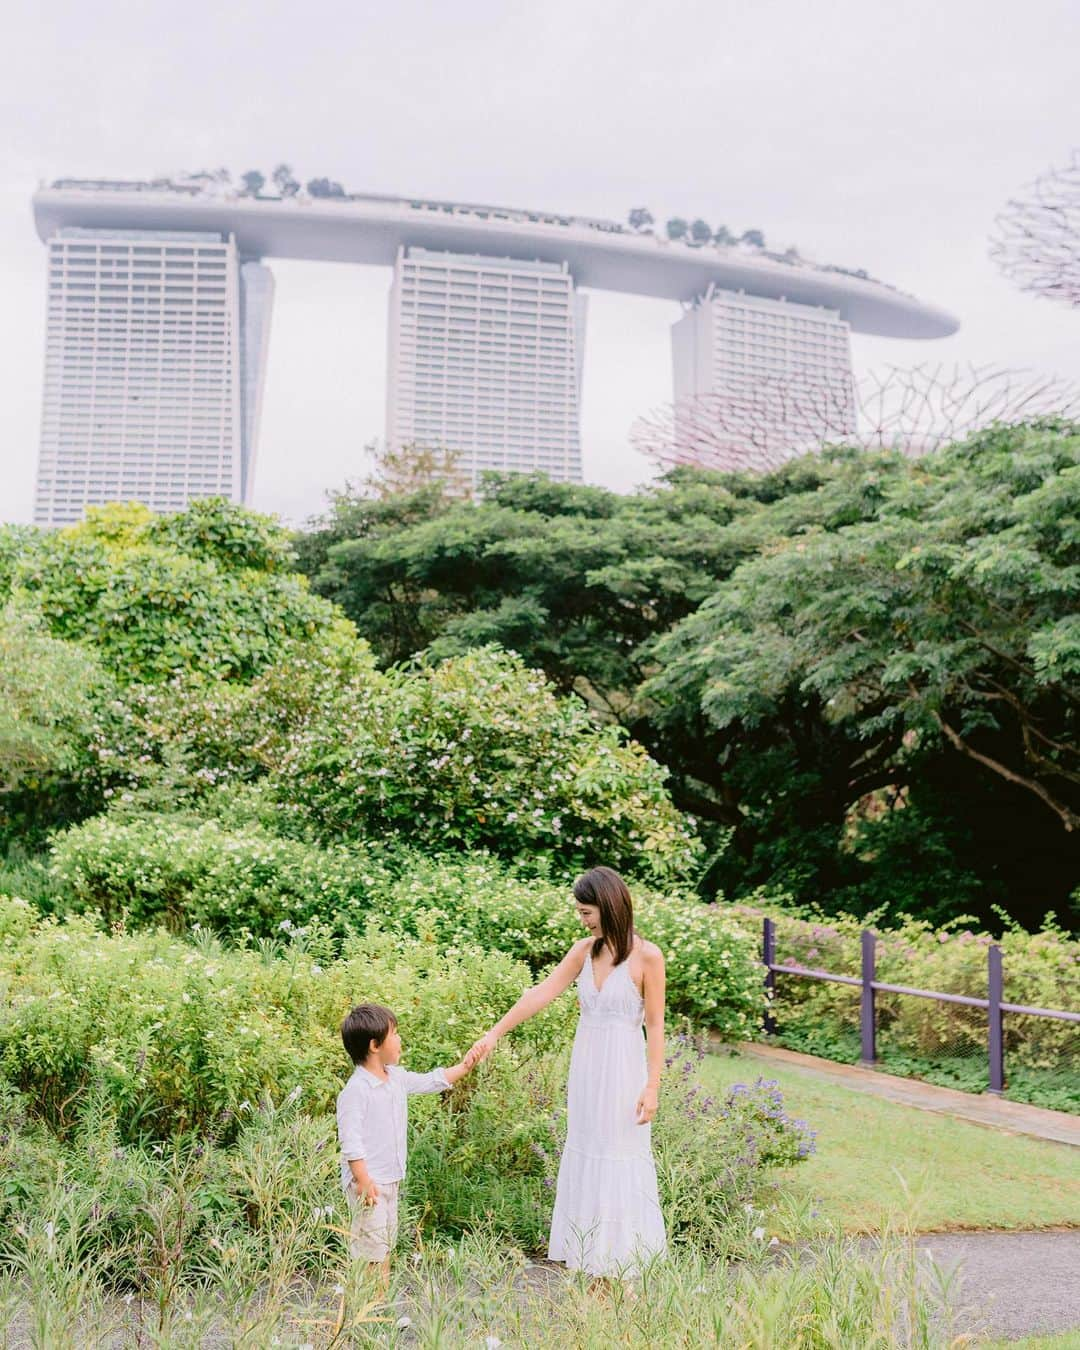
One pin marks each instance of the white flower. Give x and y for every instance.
(759, 1233)
(492, 1343)
(339, 1288)
(404, 1322)
(416, 1258)
(774, 1242)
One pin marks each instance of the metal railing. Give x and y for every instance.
(869, 987)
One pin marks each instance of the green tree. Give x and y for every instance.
(576, 579)
(754, 237)
(207, 589)
(677, 228)
(701, 231)
(253, 182)
(929, 647)
(809, 795)
(286, 184)
(640, 218)
(324, 187)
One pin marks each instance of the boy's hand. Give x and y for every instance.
(472, 1059)
(368, 1193)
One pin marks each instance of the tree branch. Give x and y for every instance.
(1068, 818)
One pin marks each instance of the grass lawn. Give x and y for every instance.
(879, 1163)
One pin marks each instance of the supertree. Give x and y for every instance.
(911, 410)
(1036, 240)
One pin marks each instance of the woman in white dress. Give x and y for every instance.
(607, 1218)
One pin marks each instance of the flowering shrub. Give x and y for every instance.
(182, 871)
(710, 1150)
(480, 752)
(713, 976)
(117, 1040)
(190, 1036)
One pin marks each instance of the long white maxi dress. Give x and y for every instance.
(607, 1218)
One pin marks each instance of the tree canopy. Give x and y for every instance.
(854, 657)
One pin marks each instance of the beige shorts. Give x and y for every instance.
(373, 1228)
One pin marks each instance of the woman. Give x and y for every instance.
(607, 1217)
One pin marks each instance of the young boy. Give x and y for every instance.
(372, 1114)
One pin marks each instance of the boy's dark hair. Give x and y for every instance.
(368, 1024)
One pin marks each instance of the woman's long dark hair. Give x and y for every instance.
(606, 891)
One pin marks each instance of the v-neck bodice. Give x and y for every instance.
(617, 998)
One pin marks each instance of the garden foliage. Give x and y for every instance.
(121, 1039)
(178, 871)
(812, 652)
(943, 1042)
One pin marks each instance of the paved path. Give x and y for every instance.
(1012, 1284)
(982, 1108)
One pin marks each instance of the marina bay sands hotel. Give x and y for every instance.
(159, 305)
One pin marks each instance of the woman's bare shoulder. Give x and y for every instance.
(650, 953)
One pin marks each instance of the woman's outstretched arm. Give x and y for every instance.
(538, 997)
(654, 990)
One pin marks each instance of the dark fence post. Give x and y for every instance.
(993, 1012)
(866, 1002)
(768, 955)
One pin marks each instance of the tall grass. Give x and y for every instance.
(481, 1292)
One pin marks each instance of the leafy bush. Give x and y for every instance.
(50, 695)
(182, 872)
(154, 869)
(476, 753)
(713, 976)
(204, 590)
(189, 1037)
(710, 1151)
(121, 1040)
(480, 752)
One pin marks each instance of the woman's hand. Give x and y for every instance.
(482, 1048)
(646, 1105)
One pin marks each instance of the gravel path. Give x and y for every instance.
(1013, 1284)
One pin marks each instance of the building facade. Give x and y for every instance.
(769, 377)
(155, 352)
(486, 361)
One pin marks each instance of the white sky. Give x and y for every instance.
(871, 134)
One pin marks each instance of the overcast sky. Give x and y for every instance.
(872, 134)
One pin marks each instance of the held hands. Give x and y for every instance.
(646, 1105)
(472, 1058)
(481, 1049)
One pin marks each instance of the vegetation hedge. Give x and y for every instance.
(119, 1048)
(179, 871)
